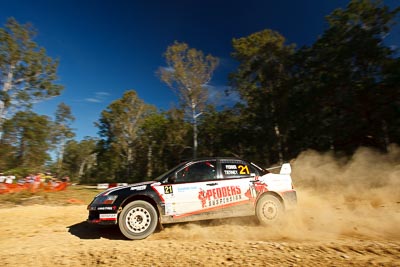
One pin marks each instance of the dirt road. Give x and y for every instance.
(351, 218)
(42, 235)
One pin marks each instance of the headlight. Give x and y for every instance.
(107, 200)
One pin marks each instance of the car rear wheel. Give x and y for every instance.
(269, 210)
(138, 220)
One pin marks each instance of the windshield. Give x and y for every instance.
(169, 172)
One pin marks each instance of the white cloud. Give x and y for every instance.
(102, 94)
(98, 97)
(93, 100)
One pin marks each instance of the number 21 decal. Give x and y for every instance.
(168, 189)
(243, 169)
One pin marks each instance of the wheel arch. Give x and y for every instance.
(140, 197)
(273, 193)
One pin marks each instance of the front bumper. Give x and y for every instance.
(103, 215)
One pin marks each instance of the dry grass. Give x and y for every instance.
(74, 194)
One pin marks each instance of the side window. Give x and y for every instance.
(254, 171)
(197, 172)
(237, 169)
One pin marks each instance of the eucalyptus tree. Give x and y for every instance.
(345, 81)
(222, 133)
(62, 131)
(152, 140)
(120, 127)
(79, 159)
(27, 73)
(178, 136)
(161, 143)
(29, 135)
(188, 72)
(261, 80)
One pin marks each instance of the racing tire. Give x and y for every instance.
(269, 210)
(138, 220)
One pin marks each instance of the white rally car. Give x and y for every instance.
(200, 189)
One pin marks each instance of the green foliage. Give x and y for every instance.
(120, 126)
(221, 133)
(178, 133)
(27, 134)
(61, 131)
(27, 74)
(157, 141)
(7, 153)
(187, 71)
(261, 80)
(79, 159)
(340, 95)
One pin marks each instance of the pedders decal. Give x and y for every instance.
(219, 196)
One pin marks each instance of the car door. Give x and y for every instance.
(237, 180)
(182, 197)
(226, 193)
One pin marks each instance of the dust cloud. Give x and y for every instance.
(357, 196)
(354, 197)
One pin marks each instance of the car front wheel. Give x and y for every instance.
(269, 210)
(138, 220)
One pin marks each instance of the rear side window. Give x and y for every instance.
(237, 169)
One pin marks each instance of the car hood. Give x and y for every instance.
(119, 188)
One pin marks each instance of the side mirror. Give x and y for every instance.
(172, 179)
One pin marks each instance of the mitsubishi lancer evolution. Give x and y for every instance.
(200, 189)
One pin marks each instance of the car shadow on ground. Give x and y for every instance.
(85, 230)
(247, 221)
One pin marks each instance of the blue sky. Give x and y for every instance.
(106, 47)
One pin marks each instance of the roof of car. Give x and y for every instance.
(211, 158)
(220, 158)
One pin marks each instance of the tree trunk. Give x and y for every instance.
(129, 164)
(280, 146)
(60, 156)
(7, 86)
(81, 168)
(194, 130)
(149, 158)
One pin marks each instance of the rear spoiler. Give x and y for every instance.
(285, 169)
